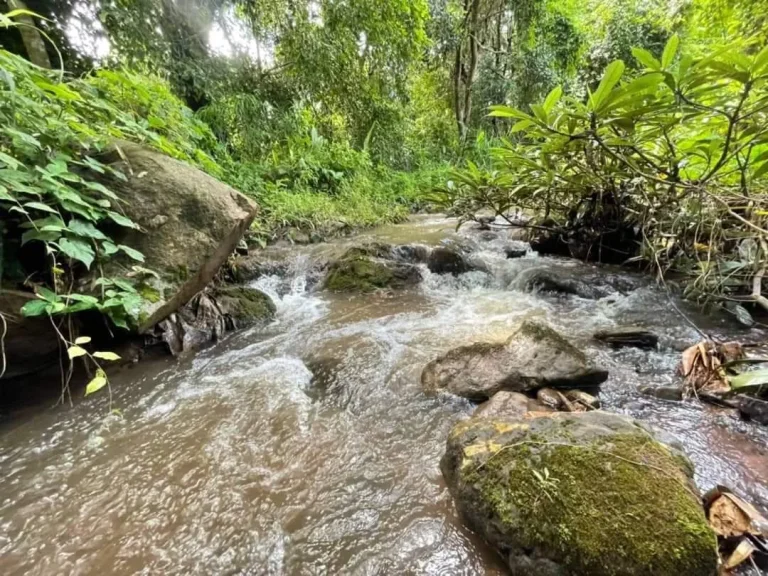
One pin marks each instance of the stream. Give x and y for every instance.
(307, 447)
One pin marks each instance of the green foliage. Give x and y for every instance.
(680, 152)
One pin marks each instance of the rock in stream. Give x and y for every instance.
(579, 494)
(535, 356)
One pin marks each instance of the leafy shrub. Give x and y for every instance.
(680, 153)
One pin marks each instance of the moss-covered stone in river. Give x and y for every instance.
(245, 305)
(579, 495)
(363, 274)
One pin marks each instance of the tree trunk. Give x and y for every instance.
(472, 66)
(30, 35)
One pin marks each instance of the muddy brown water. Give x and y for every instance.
(308, 448)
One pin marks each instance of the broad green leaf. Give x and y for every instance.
(98, 187)
(42, 235)
(23, 137)
(761, 61)
(521, 125)
(508, 112)
(34, 308)
(109, 248)
(552, 99)
(9, 161)
(134, 254)
(646, 58)
(122, 220)
(612, 76)
(124, 285)
(40, 206)
(749, 380)
(98, 382)
(85, 230)
(82, 298)
(761, 171)
(77, 250)
(83, 340)
(47, 294)
(644, 82)
(670, 51)
(108, 356)
(75, 352)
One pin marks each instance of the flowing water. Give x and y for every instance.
(308, 448)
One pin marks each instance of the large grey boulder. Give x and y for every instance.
(190, 224)
(535, 356)
(579, 494)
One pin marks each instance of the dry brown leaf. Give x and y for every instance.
(727, 519)
(743, 552)
(758, 525)
(689, 360)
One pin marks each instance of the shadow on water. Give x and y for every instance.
(308, 447)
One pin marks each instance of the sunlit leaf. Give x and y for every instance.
(98, 382)
(670, 51)
(108, 356)
(75, 352)
(77, 250)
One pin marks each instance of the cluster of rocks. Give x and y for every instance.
(378, 266)
(555, 486)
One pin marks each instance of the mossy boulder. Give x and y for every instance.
(535, 356)
(359, 273)
(244, 306)
(579, 494)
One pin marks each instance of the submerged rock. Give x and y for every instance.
(362, 274)
(515, 252)
(535, 356)
(413, 253)
(549, 280)
(673, 393)
(579, 494)
(628, 337)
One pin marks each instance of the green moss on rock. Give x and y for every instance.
(245, 305)
(358, 274)
(593, 497)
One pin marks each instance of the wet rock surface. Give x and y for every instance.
(535, 356)
(363, 274)
(504, 404)
(577, 494)
(213, 313)
(628, 337)
(448, 260)
(558, 281)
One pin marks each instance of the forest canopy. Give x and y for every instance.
(638, 118)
